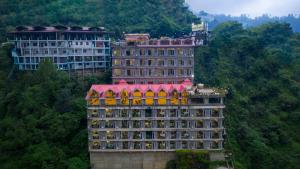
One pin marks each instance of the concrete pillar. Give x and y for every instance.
(206, 100)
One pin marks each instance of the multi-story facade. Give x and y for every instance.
(141, 60)
(154, 117)
(85, 49)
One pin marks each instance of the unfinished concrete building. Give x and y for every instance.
(141, 60)
(84, 49)
(149, 122)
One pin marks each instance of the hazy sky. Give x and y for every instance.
(251, 7)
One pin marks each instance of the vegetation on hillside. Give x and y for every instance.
(187, 159)
(42, 113)
(260, 67)
(43, 119)
(163, 17)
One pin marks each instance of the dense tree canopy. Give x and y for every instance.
(42, 113)
(43, 118)
(260, 67)
(164, 17)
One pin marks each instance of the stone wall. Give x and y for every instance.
(130, 160)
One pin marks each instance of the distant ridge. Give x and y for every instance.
(215, 19)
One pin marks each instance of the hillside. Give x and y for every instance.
(42, 113)
(260, 67)
(164, 17)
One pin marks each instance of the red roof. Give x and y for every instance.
(117, 88)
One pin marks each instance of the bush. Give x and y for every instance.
(188, 159)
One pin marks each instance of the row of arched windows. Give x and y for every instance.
(137, 97)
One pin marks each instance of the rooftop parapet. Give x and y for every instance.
(56, 28)
(143, 41)
(200, 90)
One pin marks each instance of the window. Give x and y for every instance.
(127, 52)
(190, 52)
(142, 52)
(136, 124)
(160, 113)
(99, 50)
(148, 112)
(141, 73)
(124, 124)
(84, 50)
(21, 60)
(141, 62)
(136, 113)
(124, 113)
(128, 72)
(180, 72)
(81, 43)
(149, 52)
(117, 62)
(171, 52)
(150, 73)
(214, 100)
(173, 113)
(148, 124)
(127, 62)
(87, 43)
(161, 52)
(160, 62)
(160, 72)
(171, 62)
(116, 52)
(197, 100)
(179, 52)
(148, 134)
(150, 62)
(181, 62)
(171, 72)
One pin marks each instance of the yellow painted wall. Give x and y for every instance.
(110, 98)
(149, 98)
(124, 98)
(137, 98)
(174, 98)
(94, 101)
(162, 97)
(184, 99)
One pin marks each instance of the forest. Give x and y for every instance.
(42, 113)
(214, 20)
(159, 18)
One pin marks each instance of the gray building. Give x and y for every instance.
(141, 60)
(85, 49)
(124, 119)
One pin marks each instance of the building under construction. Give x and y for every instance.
(152, 108)
(146, 121)
(139, 59)
(80, 49)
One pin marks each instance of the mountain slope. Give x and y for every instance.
(164, 17)
(260, 67)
